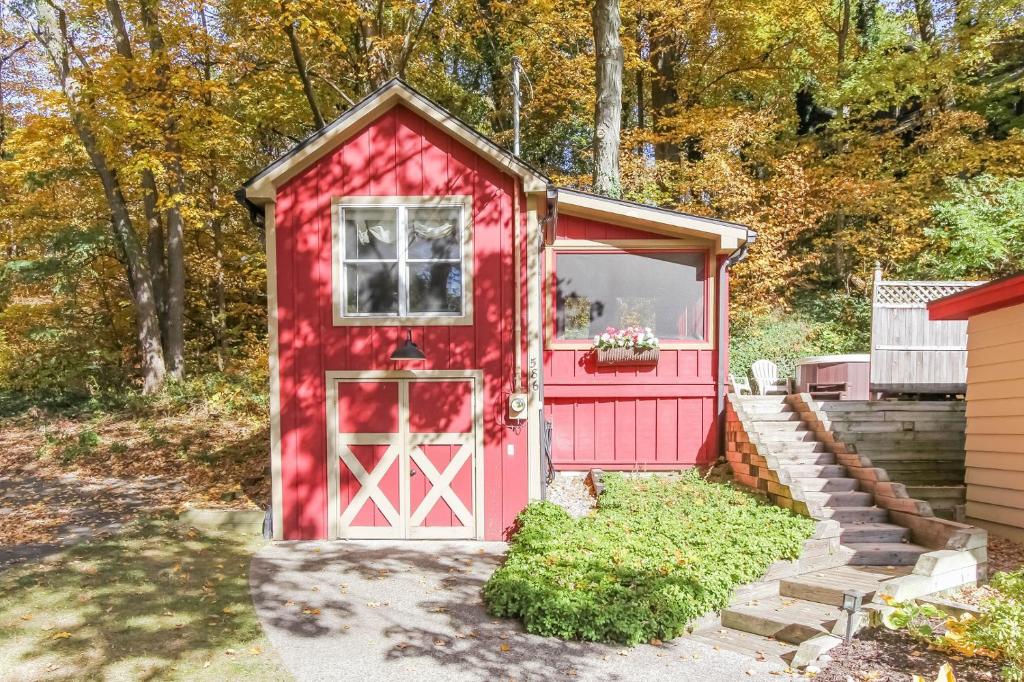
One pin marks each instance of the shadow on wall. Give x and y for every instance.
(311, 345)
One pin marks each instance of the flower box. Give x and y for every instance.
(612, 357)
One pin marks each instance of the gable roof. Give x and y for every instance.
(262, 187)
(652, 218)
(1000, 293)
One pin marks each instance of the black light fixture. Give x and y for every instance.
(408, 351)
(852, 600)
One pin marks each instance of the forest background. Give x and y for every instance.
(845, 132)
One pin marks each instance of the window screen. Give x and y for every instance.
(660, 290)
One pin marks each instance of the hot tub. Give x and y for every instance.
(835, 377)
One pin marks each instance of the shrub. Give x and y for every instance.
(822, 324)
(998, 631)
(654, 556)
(1000, 626)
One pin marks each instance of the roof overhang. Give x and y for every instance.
(1001, 293)
(728, 236)
(262, 187)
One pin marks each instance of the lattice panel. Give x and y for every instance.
(914, 293)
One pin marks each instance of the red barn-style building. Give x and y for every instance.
(398, 221)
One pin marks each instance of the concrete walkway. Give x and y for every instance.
(375, 610)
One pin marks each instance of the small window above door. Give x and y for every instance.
(402, 260)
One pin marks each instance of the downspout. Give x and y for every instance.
(721, 328)
(547, 233)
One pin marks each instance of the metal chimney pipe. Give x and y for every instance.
(516, 66)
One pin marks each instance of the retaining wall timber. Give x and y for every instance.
(919, 443)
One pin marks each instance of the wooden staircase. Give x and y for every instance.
(868, 534)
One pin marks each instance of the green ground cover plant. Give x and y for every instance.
(655, 555)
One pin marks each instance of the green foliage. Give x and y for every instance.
(651, 559)
(822, 324)
(915, 618)
(1000, 627)
(980, 230)
(998, 630)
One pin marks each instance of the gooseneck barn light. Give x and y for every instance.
(408, 351)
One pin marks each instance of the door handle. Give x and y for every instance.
(412, 472)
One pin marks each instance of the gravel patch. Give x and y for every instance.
(571, 492)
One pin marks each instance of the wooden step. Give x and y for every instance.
(790, 448)
(816, 470)
(827, 587)
(785, 459)
(854, 515)
(853, 498)
(784, 415)
(776, 426)
(786, 437)
(746, 643)
(831, 485)
(783, 618)
(861, 533)
(885, 553)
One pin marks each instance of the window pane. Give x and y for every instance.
(433, 233)
(372, 288)
(435, 288)
(371, 233)
(660, 290)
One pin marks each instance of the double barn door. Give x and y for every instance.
(402, 455)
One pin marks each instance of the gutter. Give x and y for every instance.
(256, 214)
(721, 333)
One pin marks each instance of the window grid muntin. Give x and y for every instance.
(403, 261)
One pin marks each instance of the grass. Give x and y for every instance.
(655, 555)
(159, 601)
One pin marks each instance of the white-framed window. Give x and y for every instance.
(402, 260)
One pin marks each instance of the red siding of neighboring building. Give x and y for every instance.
(399, 154)
(661, 417)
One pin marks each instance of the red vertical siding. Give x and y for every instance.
(399, 154)
(660, 417)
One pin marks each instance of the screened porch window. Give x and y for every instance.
(663, 290)
(402, 261)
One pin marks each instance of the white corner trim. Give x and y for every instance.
(276, 482)
(534, 354)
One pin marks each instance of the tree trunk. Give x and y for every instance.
(664, 93)
(843, 37)
(303, 72)
(155, 249)
(155, 243)
(925, 12)
(149, 12)
(608, 109)
(51, 32)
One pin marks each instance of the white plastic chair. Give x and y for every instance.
(766, 376)
(740, 384)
